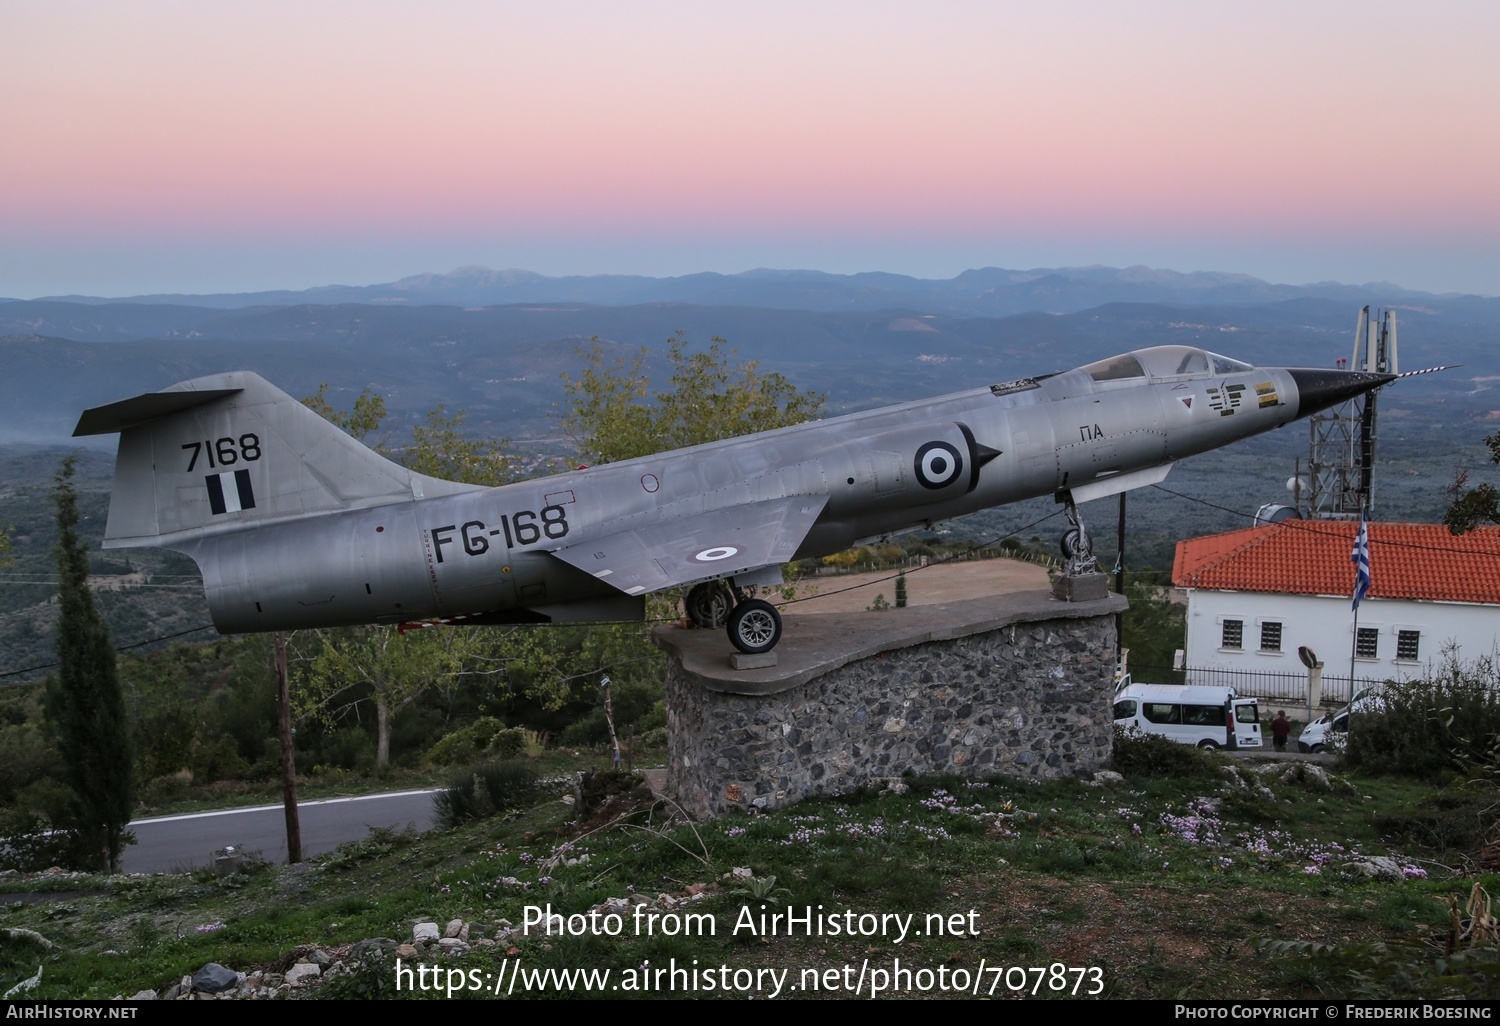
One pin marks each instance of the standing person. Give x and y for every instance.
(1281, 728)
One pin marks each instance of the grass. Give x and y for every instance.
(1166, 885)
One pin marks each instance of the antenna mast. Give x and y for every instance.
(1341, 456)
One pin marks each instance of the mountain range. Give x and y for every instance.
(983, 292)
(469, 341)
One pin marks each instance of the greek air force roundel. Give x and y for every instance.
(938, 465)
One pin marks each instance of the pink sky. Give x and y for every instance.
(233, 146)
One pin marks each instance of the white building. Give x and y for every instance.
(1256, 595)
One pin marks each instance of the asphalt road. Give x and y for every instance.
(170, 843)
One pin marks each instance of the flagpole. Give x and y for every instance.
(1360, 557)
(1353, 648)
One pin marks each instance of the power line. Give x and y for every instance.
(122, 648)
(1306, 525)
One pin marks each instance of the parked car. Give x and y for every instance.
(1323, 731)
(1328, 729)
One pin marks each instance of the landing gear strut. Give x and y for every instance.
(1077, 546)
(708, 605)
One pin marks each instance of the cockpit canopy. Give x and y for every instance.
(1163, 362)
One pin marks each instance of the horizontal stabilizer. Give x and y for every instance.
(699, 547)
(128, 413)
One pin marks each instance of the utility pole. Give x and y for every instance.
(1120, 580)
(288, 759)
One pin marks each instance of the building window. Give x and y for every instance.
(1367, 643)
(1408, 645)
(1234, 634)
(1270, 636)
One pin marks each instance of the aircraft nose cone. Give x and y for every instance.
(1320, 389)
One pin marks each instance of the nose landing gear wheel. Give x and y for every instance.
(754, 626)
(708, 605)
(1070, 543)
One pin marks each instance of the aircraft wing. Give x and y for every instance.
(699, 546)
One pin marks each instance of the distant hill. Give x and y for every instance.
(504, 364)
(983, 292)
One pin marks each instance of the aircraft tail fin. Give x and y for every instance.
(230, 450)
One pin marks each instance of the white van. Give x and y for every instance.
(1209, 717)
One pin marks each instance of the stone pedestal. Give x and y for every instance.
(1018, 684)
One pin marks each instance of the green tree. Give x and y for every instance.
(613, 415)
(376, 664)
(84, 704)
(360, 421)
(1154, 629)
(379, 665)
(439, 448)
(6, 559)
(438, 445)
(1474, 506)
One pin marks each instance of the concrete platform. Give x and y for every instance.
(813, 644)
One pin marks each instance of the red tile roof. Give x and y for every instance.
(1311, 557)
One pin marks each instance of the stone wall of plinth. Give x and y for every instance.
(1018, 684)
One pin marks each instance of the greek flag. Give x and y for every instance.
(1360, 557)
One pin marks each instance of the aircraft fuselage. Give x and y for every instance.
(497, 551)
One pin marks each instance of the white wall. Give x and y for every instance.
(1326, 625)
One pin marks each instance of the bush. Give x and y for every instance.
(589, 729)
(597, 787)
(1453, 819)
(169, 787)
(350, 748)
(28, 758)
(32, 844)
(1428, 729)
(489, 789)
(1151, 755)
(638, 705)
(486, 736)
(218, 759)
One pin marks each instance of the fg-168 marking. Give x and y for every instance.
(529, 528)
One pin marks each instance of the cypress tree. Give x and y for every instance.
(84, 703)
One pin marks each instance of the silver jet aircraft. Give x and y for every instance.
(295, 524)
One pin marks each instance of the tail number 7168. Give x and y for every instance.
(224, 452)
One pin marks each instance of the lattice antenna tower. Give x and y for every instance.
(1341, 454)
